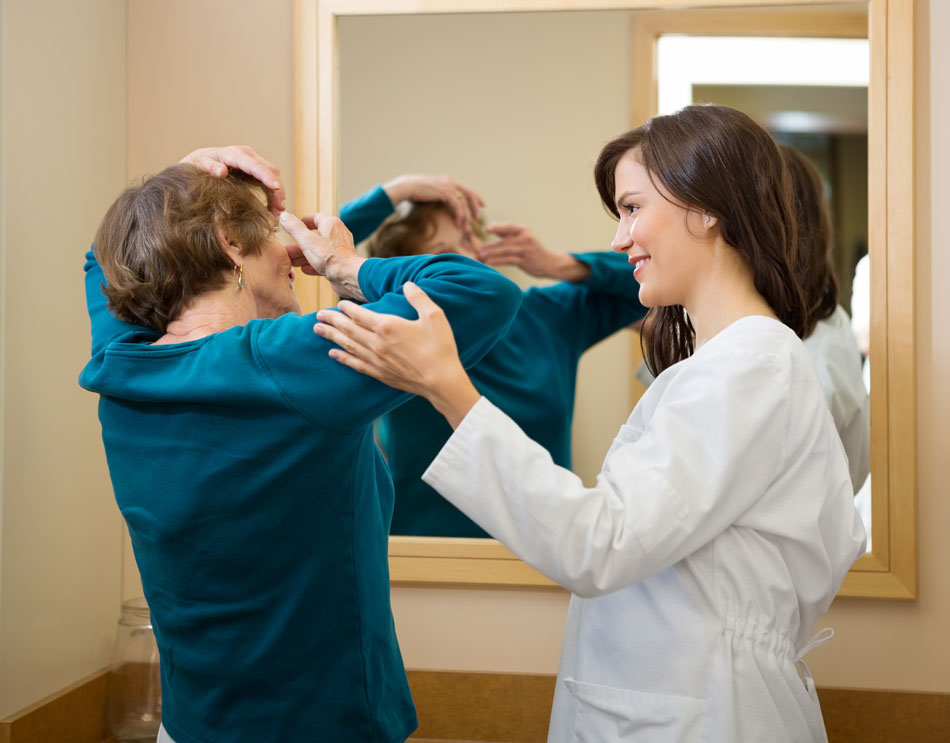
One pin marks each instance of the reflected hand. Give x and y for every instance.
(463, 201)
(217, 160)
(324, 247)
(517, 246)
(417, 356)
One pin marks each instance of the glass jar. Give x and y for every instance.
(135, 688)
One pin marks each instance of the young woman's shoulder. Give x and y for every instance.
(755, 344)
(754, 359)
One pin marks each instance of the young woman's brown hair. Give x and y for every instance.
(158, 244)
(814, 268)
(717, 160)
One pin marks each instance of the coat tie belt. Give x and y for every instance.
(818, 639)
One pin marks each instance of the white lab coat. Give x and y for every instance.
(835, 352)
(720, 528)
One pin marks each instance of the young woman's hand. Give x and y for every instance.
(417, 356)
(217, 160)
(517, 246)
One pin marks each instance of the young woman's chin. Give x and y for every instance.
(647, 297)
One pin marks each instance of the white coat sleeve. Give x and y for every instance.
(709, 451)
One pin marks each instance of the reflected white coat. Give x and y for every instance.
(720, 528)
(835, 352)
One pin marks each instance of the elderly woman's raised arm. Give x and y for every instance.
(105, 327)
(478, 301)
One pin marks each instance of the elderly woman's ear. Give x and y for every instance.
(233, 249)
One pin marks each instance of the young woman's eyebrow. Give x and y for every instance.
(625, 195)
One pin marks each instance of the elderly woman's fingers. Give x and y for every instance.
(206, 163)
(296, 255)
(299, 260)
(500, 255)
(217, 160)
(327, 245)
(308, 252)
(505, 229)
(464, 201)
(474, 202)
(294, 226)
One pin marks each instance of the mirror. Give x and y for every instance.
(622, 82)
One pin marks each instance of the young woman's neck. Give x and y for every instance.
(210, 313)
(726, 294)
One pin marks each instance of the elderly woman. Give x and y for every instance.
(242, 456)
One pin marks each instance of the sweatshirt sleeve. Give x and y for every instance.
(106, 327)
(587, 312)
(663, 492)
(479, 303)
(364, 214)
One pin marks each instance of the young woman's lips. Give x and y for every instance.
(638, 262)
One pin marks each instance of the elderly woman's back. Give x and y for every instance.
(258, 505)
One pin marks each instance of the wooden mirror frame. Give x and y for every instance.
(890, 570)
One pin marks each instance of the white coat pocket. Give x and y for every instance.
(607, 714)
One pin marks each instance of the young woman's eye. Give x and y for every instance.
(629, 208)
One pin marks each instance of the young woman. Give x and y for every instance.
(723, 522)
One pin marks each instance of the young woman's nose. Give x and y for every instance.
(623, 240)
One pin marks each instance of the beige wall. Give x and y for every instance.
(209, 73)
(64, 119)
(62, 163)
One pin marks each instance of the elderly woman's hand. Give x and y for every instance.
(462, 200)
(418, 356)
(517, 246)
(217, 160)
(324, 247)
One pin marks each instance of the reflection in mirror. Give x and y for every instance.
(589, 73)
(515, 106)
(506, 128)
(811, 94)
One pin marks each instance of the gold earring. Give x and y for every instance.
(239, 270)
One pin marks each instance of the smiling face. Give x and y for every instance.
(269, 277)
(665, 241)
